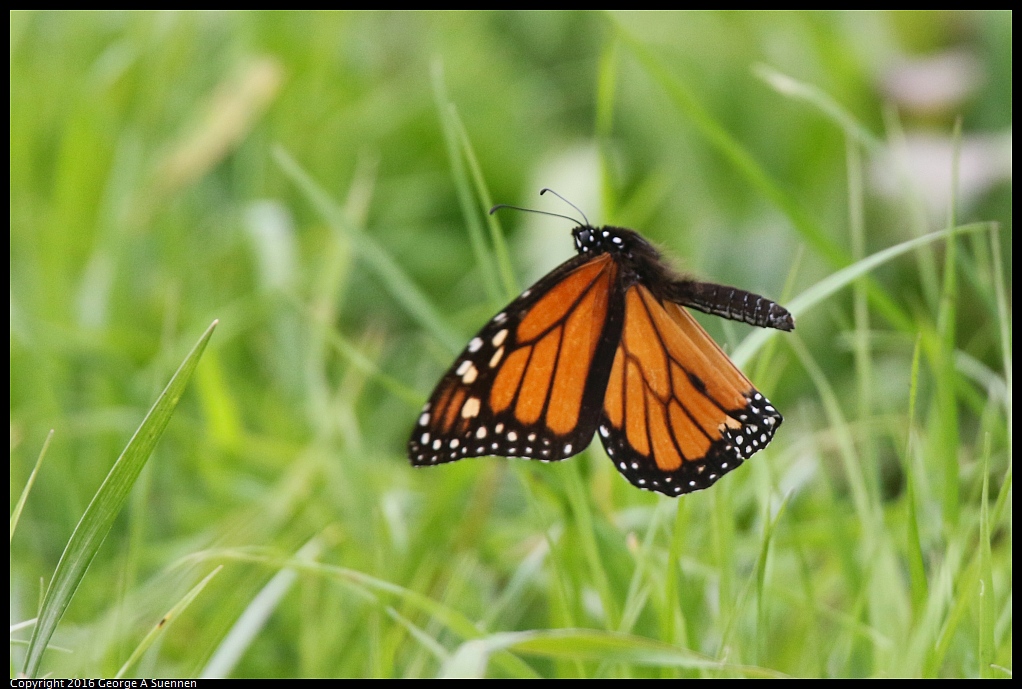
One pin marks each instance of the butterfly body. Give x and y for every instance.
(602, 345)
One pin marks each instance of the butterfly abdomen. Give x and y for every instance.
(731, 303)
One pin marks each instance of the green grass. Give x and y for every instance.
(319, 183)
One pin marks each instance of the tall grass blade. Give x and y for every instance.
(372, 589)
(393, 277)
(913, 544)
(945, 443)
(16, 514)
(816, 294)
(588, 645)
(1003, 324)
(685, 100)
(500, 249)
(161, 627)
(106, 504)
(987, 617)
(240, 637)
(469, 209)
(821, 100)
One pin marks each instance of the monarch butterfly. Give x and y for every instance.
(603, 344)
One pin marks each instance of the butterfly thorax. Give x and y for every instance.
(639, 260)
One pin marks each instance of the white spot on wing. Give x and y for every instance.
(495, 359)
(474, 344)
(471, 408)
(499, 338)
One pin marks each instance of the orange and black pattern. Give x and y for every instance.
(603, 343)
(677, 414)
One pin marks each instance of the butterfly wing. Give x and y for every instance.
(531, 382)
(677, 414)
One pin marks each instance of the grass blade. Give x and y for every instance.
(106, 504)
(770, 527)
(501, 253)
(391, 275)
(469, 210)
(372, 588)
(16, 514)
(164, 623)
(684, 99)
(821, 100)
(586, 645)
(1003, 323)
(985, 590)
(842, 278)
(913, 542)
(253, 619)
(946, 439)
(606, 87)
(688, 104)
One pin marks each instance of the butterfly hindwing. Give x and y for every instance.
(677, 413)
(531, 382)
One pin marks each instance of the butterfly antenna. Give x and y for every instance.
(546, 189)
(533, 210)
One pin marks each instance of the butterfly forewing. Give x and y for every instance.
(531, 382)
(677, 414)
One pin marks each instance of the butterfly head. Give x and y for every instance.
(598, 240)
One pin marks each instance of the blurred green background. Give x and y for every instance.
(318, 183)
